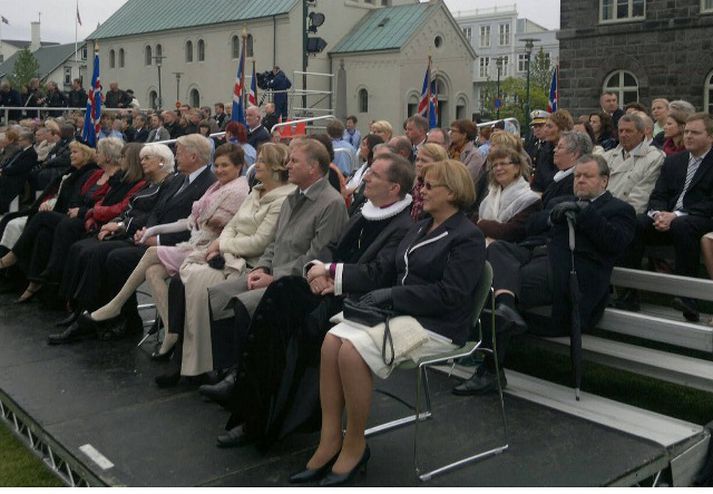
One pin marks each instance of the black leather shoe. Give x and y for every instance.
(308, 475)
(85, 321)
(168, 380)
(67, 321)
(220, 392)
(157, 356)
(333, 479)
(510, 319)
(689, 308)
(627, 299)
(234, 438)
(483, 381)
(73, 333)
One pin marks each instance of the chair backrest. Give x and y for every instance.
(482, 291)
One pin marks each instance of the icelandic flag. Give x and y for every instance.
(554, 97)
(252, 95)
(92, 118)
(424, 102)
(433, 106)
(238, 90)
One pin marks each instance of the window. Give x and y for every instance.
(504, 34)
(522, 62)
(484, 65)
(84, 53)
(189, 51)
(412, 105)
(706, 6)
(68, 76)
(159, 52)
(460, 109)
(363, 101)
(249, 46)
(467, 32)
(201, 50)
(484, 36)
(112, 59)
(148, 56)
(708, 94)
(195, 98)
(621, 10)
(624, 84)
(504, 66)
(153, 100)
(121, 57)
(235, 47)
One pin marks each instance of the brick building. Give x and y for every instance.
(640, 49)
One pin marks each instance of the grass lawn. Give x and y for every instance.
(19, 467)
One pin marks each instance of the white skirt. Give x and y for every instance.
(13, 230)
(371, 353)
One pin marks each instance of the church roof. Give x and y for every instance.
(389, 28)
(141, 16)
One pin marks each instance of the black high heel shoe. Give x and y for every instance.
(158, 356)
(28, 295)
(334, 479)
(67, 321)
(308, 475)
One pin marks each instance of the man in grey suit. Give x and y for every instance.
(158, 132)
(311, 217)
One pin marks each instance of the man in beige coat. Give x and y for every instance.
(310, 218)
(634, 165)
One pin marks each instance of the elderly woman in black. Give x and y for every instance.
(426, 280)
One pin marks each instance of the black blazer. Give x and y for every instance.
(698, 200)
(603, 231)
(434, 275)
(20, 164)
(174, 207)
(258, 136)
(143, 203)
(538, 224)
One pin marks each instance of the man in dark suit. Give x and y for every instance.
(680, 207)
(140, 132)
(193, 154)
(57, 161)
(15, 171)
(257, 133)
(604, 227)
(610, 105)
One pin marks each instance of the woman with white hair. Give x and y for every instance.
(157, 163)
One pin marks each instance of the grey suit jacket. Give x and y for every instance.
(306, 225)
(162, 136)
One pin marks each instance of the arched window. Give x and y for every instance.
(159, 50)
(195, 98)
(153, 100)
(235, 47)
(121, 57)
(461, 107)
(201, 50)
(412, 105)
(249, 46)
(148, 56)
(708, 94)
(189, 51)
(624, 84)
(363, 101)
(112, 59)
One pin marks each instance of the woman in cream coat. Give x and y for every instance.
(241, 244)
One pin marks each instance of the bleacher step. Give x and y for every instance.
(677, 369)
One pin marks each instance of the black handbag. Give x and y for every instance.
(369, 315)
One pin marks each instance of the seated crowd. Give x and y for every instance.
(251, 245)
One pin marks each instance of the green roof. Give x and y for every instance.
(384, 29)
(146, 16)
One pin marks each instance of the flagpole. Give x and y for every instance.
(251, 84)
(428, 107)
(76, 28)
(244, 96)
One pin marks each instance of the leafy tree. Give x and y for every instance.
(541, 71)
(513, 92)
(26, 67)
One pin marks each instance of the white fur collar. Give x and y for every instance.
(372, 213)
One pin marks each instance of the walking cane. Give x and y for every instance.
(575, 342)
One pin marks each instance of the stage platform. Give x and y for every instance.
(93, 412)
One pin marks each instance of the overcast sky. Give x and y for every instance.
(57, 16)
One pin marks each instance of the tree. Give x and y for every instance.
(541, 71)
(26, 67)
(513, 92)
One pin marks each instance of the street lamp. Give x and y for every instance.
(178, 84)
(498, 101)
(529, 45)
(159, 59)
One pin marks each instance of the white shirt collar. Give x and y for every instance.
(195, 174)
(562, 174)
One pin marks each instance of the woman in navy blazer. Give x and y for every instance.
(433, 278)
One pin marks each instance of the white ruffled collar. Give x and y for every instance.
(373, 213)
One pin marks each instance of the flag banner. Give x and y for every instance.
(92, 124)
(79, 19)
(424, 102)
(252, 95)
(433, 106)
(238, 90)
(554, 97)
(4, 19)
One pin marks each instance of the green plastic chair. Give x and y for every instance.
(483, 290)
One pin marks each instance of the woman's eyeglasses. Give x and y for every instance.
(431, 186)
